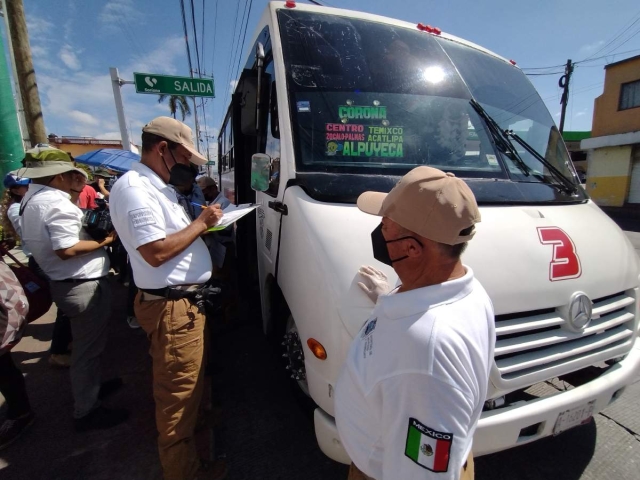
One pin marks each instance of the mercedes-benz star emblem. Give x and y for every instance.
(580, 310)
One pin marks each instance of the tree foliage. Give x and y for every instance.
(176, 102)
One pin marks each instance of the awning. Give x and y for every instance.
(111, 158)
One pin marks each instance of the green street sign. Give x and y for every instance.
(150, 83)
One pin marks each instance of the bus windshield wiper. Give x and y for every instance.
(568, 184)
(501, 139)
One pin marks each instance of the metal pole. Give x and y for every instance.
(197, 125)
(116, 82)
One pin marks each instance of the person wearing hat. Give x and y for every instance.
(412, 388)
(60, 355)
(170, 263)
(211, 192)
(100, 176)
(16, 187)
(77, 267)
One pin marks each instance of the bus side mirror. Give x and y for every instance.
(260, 166)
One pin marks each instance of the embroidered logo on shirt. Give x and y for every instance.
(427, 447)
(370, 327)
(141, 217)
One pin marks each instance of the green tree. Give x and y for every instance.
(176, 102)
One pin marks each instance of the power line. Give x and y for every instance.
(215, 31)
(186, 35)
(195, 35)
(244, 38)
(616, 37)
(542, 68)
(589, 58)
(238, 51)
(202, 37)
(233, 38)
(541, 74)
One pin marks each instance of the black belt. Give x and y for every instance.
(169, 292)
(79, 280)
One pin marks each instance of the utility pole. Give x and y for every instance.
(26, 73)
(564, 84)
(116, 83)
(197, 125)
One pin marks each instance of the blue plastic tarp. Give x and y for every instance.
(114, 159)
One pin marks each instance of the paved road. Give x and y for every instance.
(262, 431)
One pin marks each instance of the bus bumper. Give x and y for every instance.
(520, 424)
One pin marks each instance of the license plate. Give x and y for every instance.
(574, 417)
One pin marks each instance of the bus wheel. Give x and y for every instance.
(294, 355)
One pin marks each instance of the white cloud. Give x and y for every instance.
(39, 51)
(109, 135)
(38, 27)
(233, 84)
(161, 60)
(83, 118)
(591, 47)
(115, 10)
(78, 100)
(69, 57)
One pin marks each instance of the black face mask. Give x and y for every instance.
(180, 176)
(380, 250)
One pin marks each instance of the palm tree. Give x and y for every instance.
(176, 102)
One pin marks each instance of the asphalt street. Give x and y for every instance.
(260, 428)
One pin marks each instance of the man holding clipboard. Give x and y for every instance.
(171, 264)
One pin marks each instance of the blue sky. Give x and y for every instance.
(74, 42)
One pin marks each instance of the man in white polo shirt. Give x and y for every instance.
(77, 266)
(170, 263)
(412, 388)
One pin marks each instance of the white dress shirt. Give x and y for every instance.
(50, 222)
(13, 213)
(415, 380)
(144, 209)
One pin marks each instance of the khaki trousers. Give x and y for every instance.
(176, 331)
(467, 472)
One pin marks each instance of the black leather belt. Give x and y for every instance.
(171, 293)
(79, 280)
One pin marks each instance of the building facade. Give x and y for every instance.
(613, 151)
(76, 146)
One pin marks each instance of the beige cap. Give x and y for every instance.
(204, 182)
(175, 131)
(429, 202)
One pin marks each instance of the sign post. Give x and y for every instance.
(152, 84)
(116, 83)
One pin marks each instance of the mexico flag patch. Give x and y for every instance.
(428, 448)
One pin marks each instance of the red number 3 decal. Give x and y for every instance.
(565, 263)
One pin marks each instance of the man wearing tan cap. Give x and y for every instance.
(415, 379)
(170, 265)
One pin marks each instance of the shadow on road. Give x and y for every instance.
(564, 457)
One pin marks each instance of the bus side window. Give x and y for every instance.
(273, 140)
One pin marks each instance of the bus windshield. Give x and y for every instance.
(373, 98)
